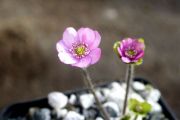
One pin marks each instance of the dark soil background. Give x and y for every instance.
(29, 30)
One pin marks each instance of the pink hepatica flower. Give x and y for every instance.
(79, 48)
(131, 50)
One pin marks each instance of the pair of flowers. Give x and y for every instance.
(81, 48)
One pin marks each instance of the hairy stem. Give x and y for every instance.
(88, 82)
(129, 77)
(136, 117)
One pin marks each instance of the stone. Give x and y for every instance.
(112, 109)
(90, 113)
(156, 107)
(106, 92)
(86, 100)
(100, 96)
(42, 114)
(72, 99)
(116, 96)
(117, 87)
(157, 116)
(154, 95)
(72, 115)
(138, 86)
(57, 100)
(137, 97)
(117, 93)
(61, 113)
(99, 118)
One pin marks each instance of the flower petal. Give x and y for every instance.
(64, 55)
(95, 55)
(125, 59)
(86, 35)
(69, 36)
(83, 63)
(60, 46)
(121, 52)
(96, 41)
(140, 55)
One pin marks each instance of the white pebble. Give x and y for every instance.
(106, 92)
(138, 86)
(71, 115)
(137, 97)
(57, 100)
(100, 96)
(86, 100)
(99, 118)
(155, 106)
(61, 113)
(154, 95)
(116, 86)
(72, 99)
(112, 105)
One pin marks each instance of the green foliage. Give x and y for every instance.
(140, 108)
(126, 117)
(115, 47)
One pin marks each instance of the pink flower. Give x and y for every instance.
(131, 50)
(79, 48)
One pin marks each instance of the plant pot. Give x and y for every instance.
(21, 109)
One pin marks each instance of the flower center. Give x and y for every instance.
(130, 53)
(138, 108)
(79, 50)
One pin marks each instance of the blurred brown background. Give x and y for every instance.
(29, 30)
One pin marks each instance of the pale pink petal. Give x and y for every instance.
(96, 41)
(69, 37)
(83, 63)
(125, 59)
(60, 46)
(64, 55)
(86, 35)
(95, 55)
(67, 58)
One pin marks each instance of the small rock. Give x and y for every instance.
(157, 116)
(100, 96)
(117, 87)
(106, 92)
(116, 96)
(71, 115)
(42, 114)
(57, 100)
(155, 106)
(61, 113)
(112, 108)
(90, 113)
(72, 99)
(99, 118)
(137, 97)
(154, 95)
(138, 86)
(86, 100)
(32, 111)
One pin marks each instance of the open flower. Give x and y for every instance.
(79, 48)
(130, 50)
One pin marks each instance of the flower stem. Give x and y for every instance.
(129, 77)
(135, 118)
(90, 85)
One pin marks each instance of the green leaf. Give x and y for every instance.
(126, 117)
(139, 62)
(115, 47)
(137, 107)
(146, 107)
